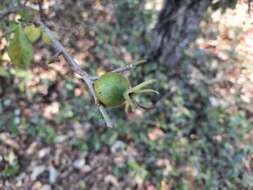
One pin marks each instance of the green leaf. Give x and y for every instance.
(20, 49)
(33, 33)
(4, 72)
(13, 25)
(11, 170)
(22, 73)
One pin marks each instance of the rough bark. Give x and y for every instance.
(177, 27)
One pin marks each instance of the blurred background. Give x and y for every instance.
(199, 136)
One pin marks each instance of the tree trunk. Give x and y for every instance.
(177, 27)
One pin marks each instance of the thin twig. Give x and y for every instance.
(130, 66)
(73, 63)
(125, 68)
(77, 69)
(75, 66)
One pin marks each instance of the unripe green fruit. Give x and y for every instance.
(110, 89)
(113, 89)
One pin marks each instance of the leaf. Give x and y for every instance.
(24, 74)
(12, 26)
(33, 33)
(20, 49)
(133, 165)
(4, 72)
(11, 170)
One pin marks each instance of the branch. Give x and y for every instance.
(77, 69)
(124, 68)
(130, 66)
(73, 63)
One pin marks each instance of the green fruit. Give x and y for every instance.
(113, 89)
(110, 89)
